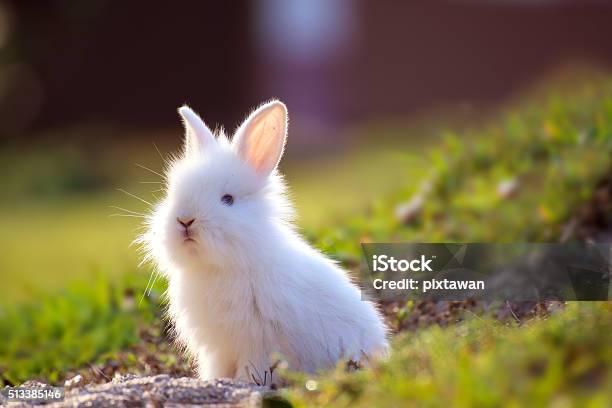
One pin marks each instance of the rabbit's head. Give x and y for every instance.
(222, 198)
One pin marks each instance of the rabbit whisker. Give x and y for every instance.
(126, 210)
(148, 169)
(160, 154)
(126, 215)
(156, 275)
(134, 196)
(146, 288)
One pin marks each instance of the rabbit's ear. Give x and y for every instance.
(260, 140)
(197, 135)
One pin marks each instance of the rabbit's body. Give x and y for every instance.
(243, 285)
(307, 311)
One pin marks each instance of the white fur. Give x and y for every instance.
(251, 287)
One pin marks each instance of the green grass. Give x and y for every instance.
(555, 148)
(565, 360)
(50, 243)
(45, 338)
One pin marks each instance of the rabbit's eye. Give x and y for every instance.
(227, 199)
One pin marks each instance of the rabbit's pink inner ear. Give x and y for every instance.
(197, 135)
(261, 139)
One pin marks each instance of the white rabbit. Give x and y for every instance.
(242, 284)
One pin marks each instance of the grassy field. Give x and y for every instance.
(72, 292)
(564, 360)
(50, 243)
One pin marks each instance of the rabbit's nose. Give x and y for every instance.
(185, 221)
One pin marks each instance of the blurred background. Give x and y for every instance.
(420, 121)
(102, 61)
(67, 62)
